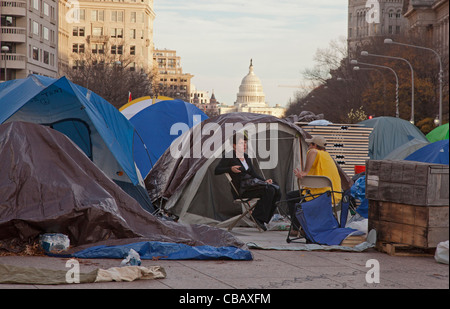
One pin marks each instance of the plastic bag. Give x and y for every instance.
(54, 242)
(132, 259)
(441, 255)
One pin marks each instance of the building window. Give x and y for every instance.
(97, 15)
(78, 48)
(35, 28)
(46, 33)
(78, 31)
(117, 16)
(46, 9)
(97, 31)
(46, 57)
(98, 49)
(132, 50)
(117, 33)
(78, 64)
(133, 33)
(117, 49)
(35, 53)
(79, 14)
(133, 17)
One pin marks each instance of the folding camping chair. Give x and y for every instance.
(247, 204)
(315, 182)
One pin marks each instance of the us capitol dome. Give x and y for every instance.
(251, 97)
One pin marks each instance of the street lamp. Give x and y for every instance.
(5, 49)
(365, 53)
(382, 76)
(441, 71)
(397, 112)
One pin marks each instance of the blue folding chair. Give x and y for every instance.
(317, 213)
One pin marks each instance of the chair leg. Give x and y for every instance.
(248, 210)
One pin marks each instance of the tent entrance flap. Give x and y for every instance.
(78, 131)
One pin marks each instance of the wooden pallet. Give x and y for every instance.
(395, 249)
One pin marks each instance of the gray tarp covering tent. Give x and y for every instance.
(406, 149)
(388, 134)
(48, 185)
(186, 186)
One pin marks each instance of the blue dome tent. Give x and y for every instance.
(436, 152)
(158, 125)
(91, 122)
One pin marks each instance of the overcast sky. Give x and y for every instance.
(217, 38)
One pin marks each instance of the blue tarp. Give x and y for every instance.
(317, 220)
(436, 152)
(359, 192)
(149, 250)
(158, 126)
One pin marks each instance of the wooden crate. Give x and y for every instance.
(348, 144)
(407, 182)
(418, 226)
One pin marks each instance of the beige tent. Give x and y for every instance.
(183, 182)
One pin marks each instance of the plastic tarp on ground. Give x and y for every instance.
(186, 182)
(48, 185)
(164, 251)
(91, 122)
(438, 134)
(388, 134)
(436, 152)
(158, 125)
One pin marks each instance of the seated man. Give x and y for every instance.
(238, 165)
(318, 163)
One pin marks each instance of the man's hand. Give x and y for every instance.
(269, 181)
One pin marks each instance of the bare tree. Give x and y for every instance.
(341, 90)
(337, 91)
(111, 71)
